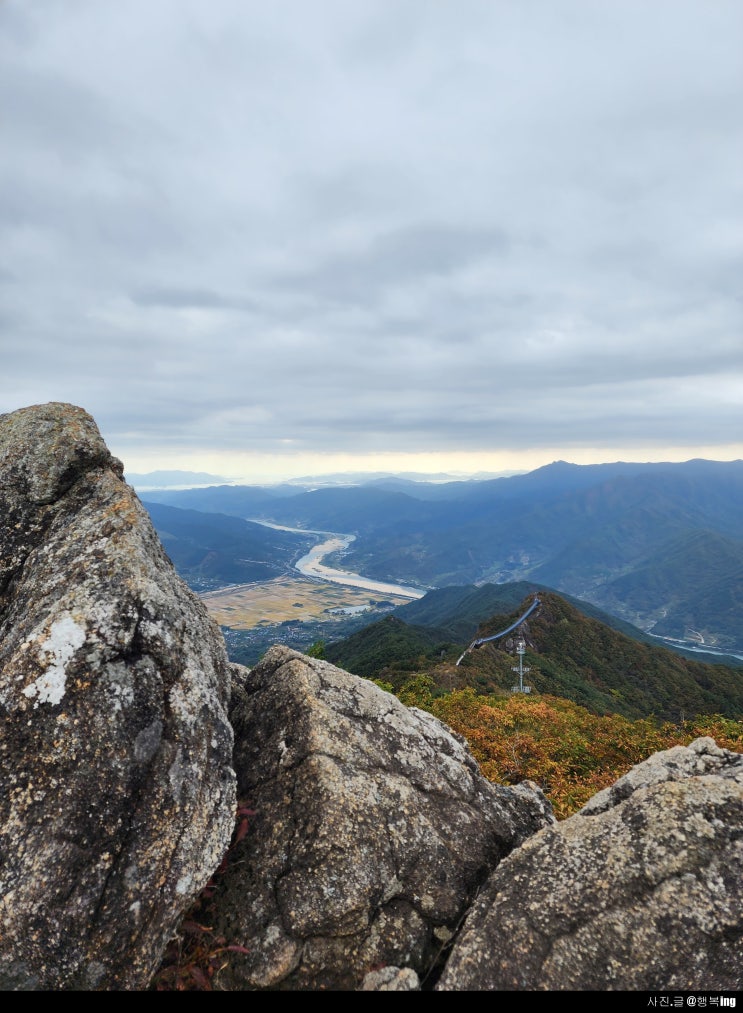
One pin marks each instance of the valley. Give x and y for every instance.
(311, 564)
(658, 545)
(315, 603)
(291, 600)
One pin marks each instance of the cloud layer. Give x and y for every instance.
(392, 224)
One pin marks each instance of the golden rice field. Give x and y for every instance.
(274, 601)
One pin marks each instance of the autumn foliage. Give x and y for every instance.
(568, 751)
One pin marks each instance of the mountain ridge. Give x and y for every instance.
(570, 654)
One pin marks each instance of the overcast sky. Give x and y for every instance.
(290, 237)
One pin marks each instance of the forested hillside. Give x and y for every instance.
(569, 654)
(600, 701)
(569, 751)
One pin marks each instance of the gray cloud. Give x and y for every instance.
(374, 226)
(400, 258)
(188, 298)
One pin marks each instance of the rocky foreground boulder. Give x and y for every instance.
(116, 785)
(640, 890)
(378, 857)
(373, 830)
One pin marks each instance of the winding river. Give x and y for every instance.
(311, 565)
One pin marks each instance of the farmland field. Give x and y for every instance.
(266, 603)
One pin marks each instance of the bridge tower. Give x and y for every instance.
(521, 668)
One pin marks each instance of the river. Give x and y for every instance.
(311, 565)
(684, 645)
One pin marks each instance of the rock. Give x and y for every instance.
(374, 830)
(116, 787)
(391, 979)
(640, 890)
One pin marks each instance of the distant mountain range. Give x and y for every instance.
(198, 479)
(173, 479)
(660, 545)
